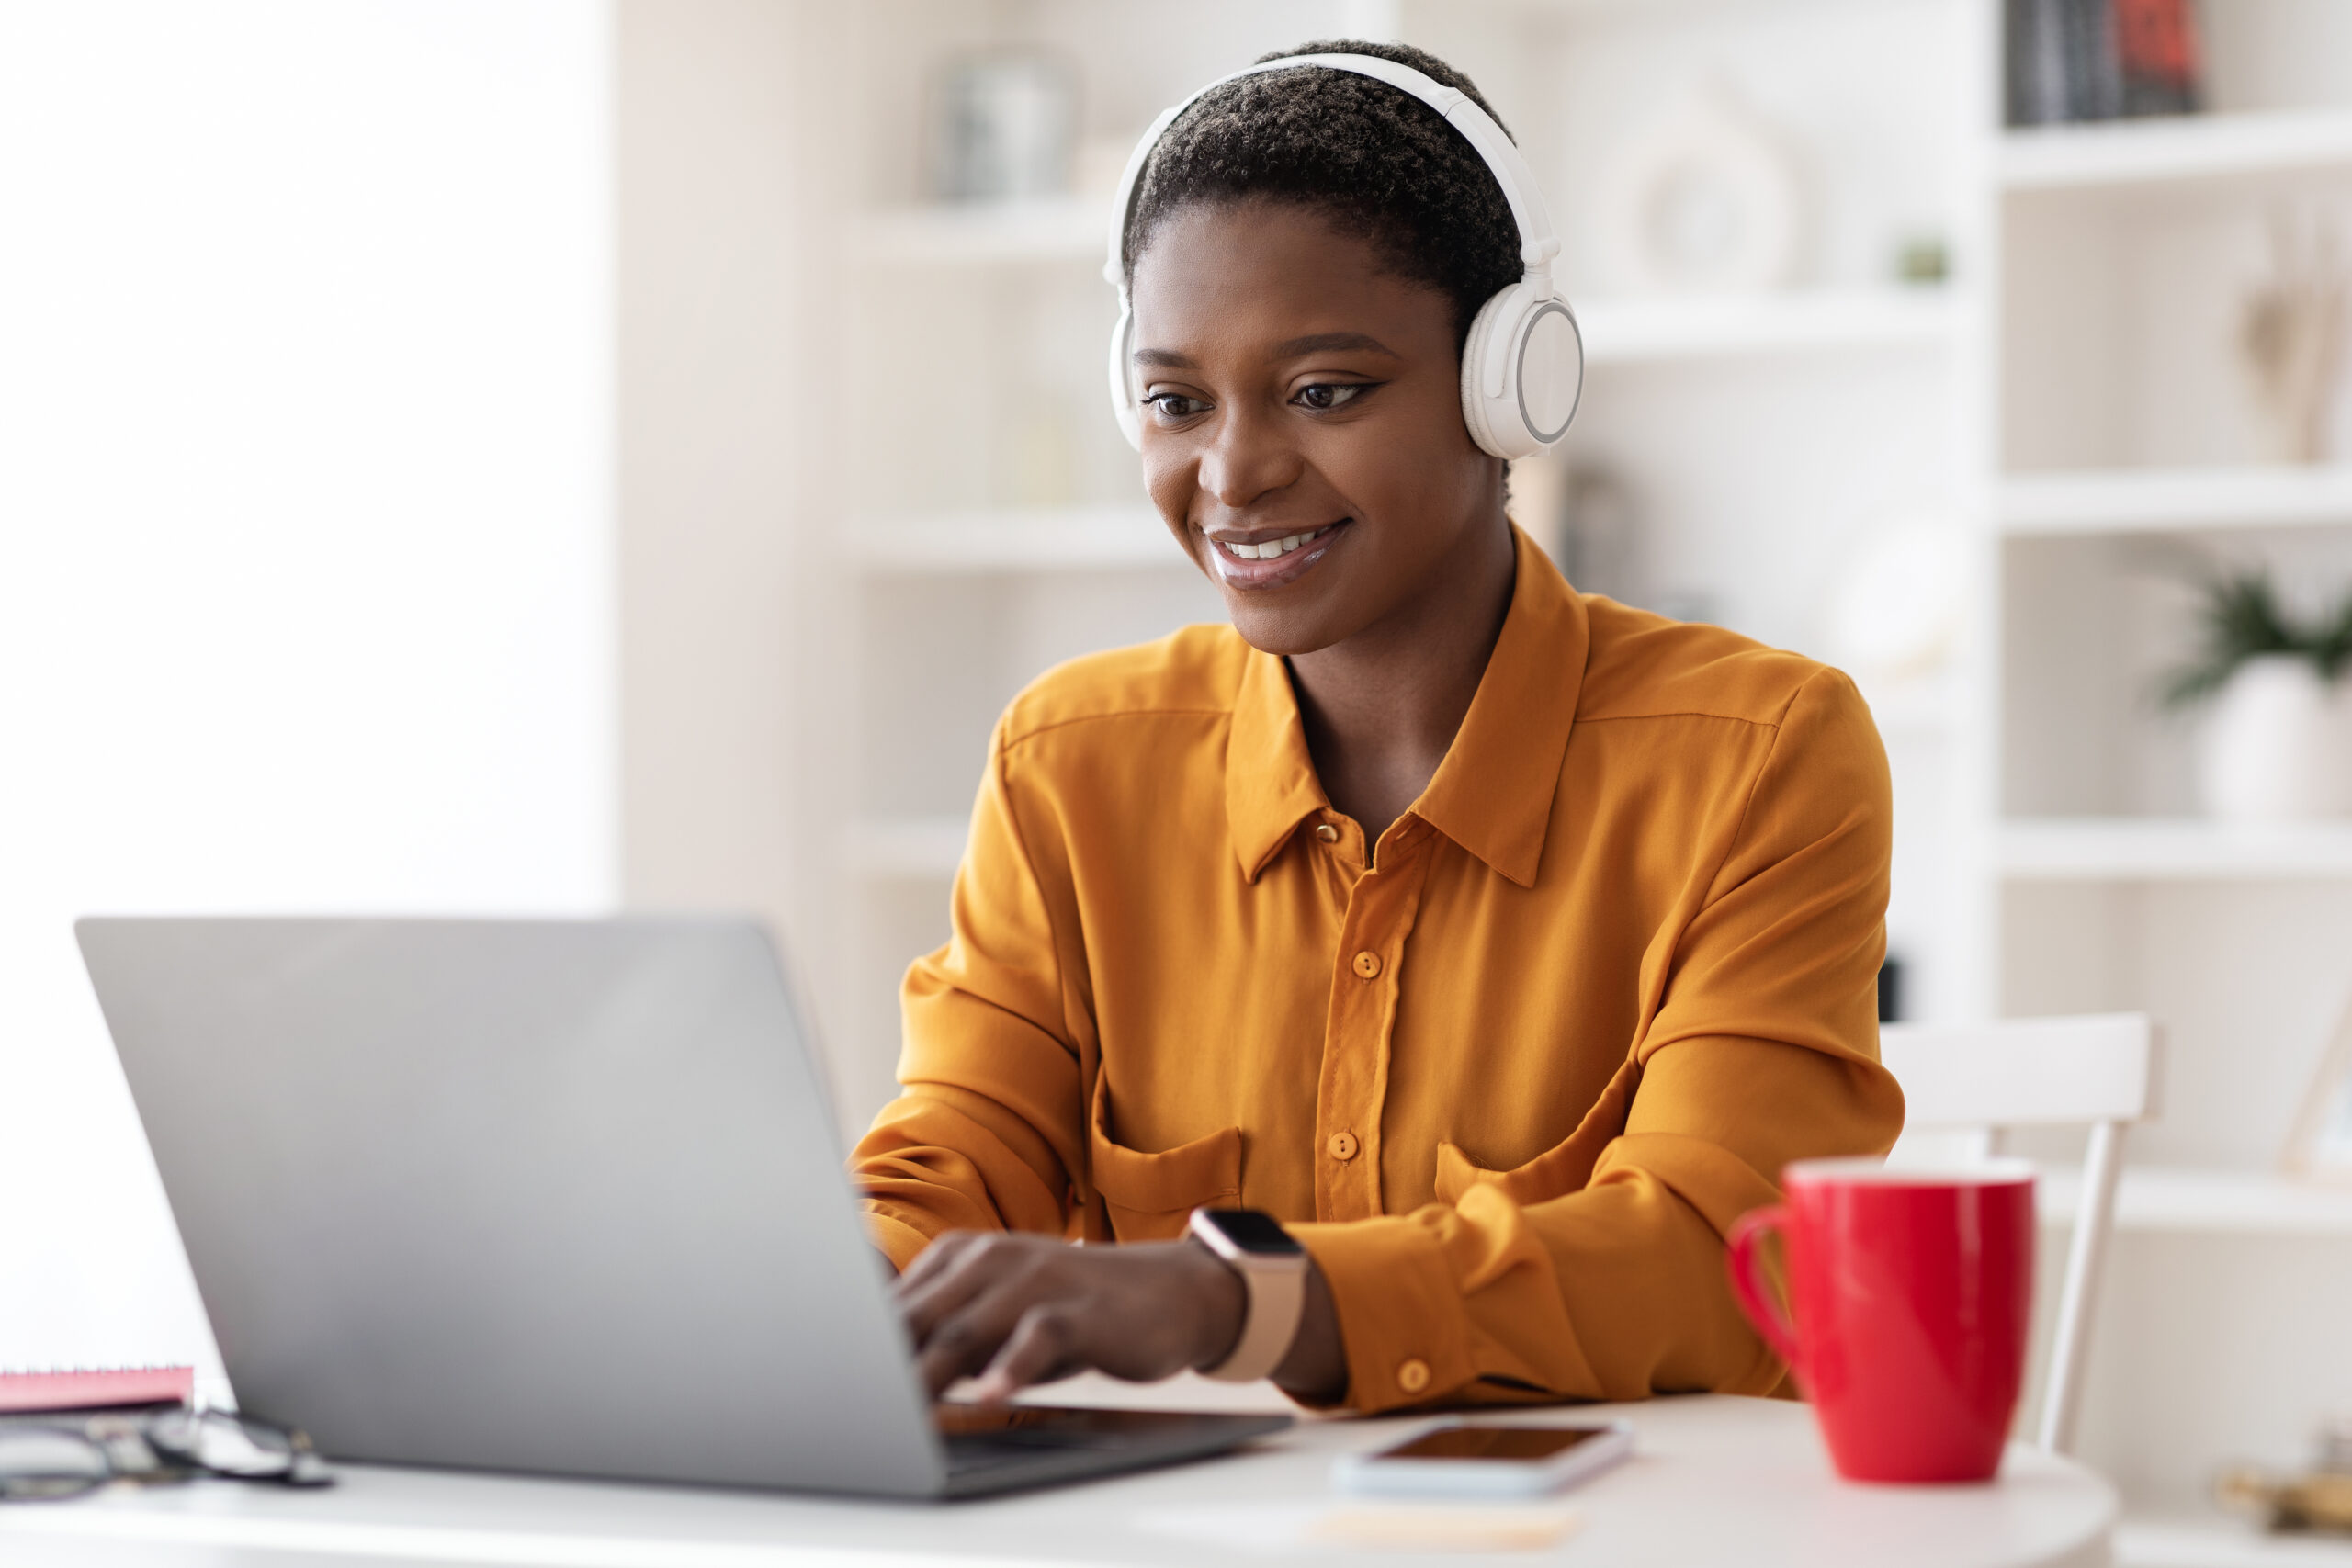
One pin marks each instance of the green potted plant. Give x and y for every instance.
(2276, 745)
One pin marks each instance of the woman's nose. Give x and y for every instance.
(1246, 458)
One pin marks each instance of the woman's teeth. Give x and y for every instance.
(1272, 548)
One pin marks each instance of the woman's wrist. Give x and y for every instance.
(1314, 1369)
(1222, 1299)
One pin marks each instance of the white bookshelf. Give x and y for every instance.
(1930, 708)
(2128, 501)
(1065, 538)
(2187, 848)
(2173, 1200)
(1616, 330)
(2122, 155)
(1064, 230)
(1642, 330)
(2121, 452)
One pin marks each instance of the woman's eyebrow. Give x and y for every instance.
(1333, 343)
(1315, 343)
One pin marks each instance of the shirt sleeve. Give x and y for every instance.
(986, 1135)
(1763, 1049)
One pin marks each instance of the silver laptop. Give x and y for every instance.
(552, 1196)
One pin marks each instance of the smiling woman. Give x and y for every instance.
(1347, 437)
(1496, 943)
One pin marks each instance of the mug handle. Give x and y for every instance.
(1742, 1254)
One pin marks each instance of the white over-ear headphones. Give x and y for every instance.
(1523, 367)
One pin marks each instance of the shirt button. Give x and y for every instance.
(1325, 831)
(1342, 1145)
(1413, 1375)
(1368, 965)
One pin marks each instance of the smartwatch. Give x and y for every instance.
(1274, 1269)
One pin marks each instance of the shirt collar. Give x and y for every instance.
(1270, 783)
(1492, 795)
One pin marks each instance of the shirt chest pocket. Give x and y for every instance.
(1565, 1168)
(1554, 1173)
(1150, 1196)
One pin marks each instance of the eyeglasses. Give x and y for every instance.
(46, 1459)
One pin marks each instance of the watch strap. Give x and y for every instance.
(1276, 1288)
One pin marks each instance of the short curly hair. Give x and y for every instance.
(1373, 161)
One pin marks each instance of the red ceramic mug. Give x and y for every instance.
(1911, 1294)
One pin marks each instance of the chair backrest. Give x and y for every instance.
(2096, 1071)
(2023, 1072)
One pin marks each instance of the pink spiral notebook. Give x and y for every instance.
(80, 1388)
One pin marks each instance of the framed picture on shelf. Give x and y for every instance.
(2320, 1149)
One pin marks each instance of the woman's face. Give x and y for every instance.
(1303, 404)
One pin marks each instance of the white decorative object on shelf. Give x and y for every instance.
(1917, 708)
(1707, 199)
(1897, 607)
(1005, 123)
(2291, 338)
(2277, 745)
(2321, 1145)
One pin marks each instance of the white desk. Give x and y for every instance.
(1715, 1481)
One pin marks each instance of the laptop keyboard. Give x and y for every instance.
(976, 1437)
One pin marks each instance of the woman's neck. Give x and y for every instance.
(1381, 708)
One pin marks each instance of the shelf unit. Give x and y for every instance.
(2133, 153)
(2155, 850)
(2121, 452)
(1644, 331)
(1060, 538)
(2174, 1201)
(1915, 708)
(1065, 229)
(2161, 500)
(1618, 330)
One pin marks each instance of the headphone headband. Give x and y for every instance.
(1537, 243)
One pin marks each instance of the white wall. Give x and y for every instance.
(305, 528)
(725, 172)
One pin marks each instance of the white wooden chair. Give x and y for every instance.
(1977, 1080)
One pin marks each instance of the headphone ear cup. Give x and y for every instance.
(1524, 344)
(1122, 369)
(1478, 353)
(1551, 370)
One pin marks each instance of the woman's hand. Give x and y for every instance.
(1012, 1310)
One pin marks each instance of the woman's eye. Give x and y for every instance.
(1174, 405)
(1324, 396)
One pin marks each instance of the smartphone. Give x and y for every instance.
(1471, 1459)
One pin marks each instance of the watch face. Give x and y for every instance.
(1255, 1232)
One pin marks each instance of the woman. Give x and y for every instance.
(1499, 943)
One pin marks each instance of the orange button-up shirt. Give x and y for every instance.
(1509, 1075)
